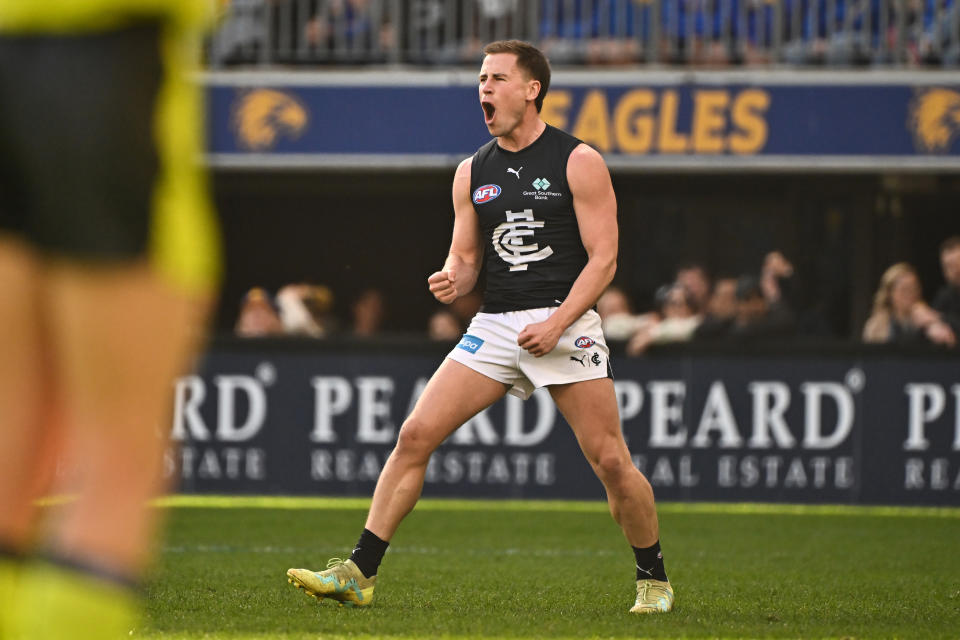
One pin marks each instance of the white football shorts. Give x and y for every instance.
(490, 347)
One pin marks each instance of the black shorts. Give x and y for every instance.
(78, 163)
(100, 143)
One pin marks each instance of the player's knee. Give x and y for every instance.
(412, 443)
(612, 467)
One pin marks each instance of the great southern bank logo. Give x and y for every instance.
(470, 343)
(486, 193)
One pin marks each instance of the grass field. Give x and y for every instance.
(559, 570)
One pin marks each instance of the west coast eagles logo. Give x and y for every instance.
(934, 119)
(262, 115)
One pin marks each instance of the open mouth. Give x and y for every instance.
(488, 111)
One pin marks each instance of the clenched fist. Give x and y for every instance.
(442, 286)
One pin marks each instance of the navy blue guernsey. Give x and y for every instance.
(532, 247)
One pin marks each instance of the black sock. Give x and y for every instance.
(650, 563)
(369, 552)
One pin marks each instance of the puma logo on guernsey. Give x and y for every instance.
(516, 172)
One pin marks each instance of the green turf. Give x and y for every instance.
(525, 570)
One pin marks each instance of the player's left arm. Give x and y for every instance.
(595, 206)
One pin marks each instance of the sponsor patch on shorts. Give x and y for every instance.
(470, 343)
(584, 342)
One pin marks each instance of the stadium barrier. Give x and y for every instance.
(718, 121)
(707, 32)
(319, 418)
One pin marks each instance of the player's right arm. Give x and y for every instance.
(462, 266)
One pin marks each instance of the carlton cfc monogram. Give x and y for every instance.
(509, 240)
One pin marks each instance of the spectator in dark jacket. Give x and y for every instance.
(947, 300)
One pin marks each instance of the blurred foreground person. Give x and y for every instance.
(108, 259)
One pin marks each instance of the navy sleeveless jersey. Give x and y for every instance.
(532, 247)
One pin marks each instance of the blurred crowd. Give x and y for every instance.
(761, 307)
(698, 307)
(308, 310)
(593, 31)
(764, 307)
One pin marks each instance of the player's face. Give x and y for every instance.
(504, 92)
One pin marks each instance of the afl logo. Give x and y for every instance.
(583, 342)
(486, 193)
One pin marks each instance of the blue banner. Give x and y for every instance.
(723, 120)
(845, 429)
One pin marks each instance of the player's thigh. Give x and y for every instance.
(21, 337)
(121, 334)
(590, 407)
(453, 395)
(23, 378)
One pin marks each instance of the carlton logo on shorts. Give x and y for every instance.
(470, 343)
(583, 342)
(486, 193)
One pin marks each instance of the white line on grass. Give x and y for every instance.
(443, 504)
(420, 551)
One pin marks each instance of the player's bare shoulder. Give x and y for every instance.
(585, 165)
(461, 181)
(587, 173)
(463, 169)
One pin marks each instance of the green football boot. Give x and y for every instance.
(653, 596)
(341, 581)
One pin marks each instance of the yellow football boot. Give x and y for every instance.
(653, 596)
(62, 603)
(9, 577)
(341, 581)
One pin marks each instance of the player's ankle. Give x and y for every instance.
(368, 553)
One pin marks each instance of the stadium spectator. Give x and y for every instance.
(486, 18)
(900, 316)
(753, 320)
(721, 311)
(694, 278)
(617, 317)
(241, 35)
(700, 32)
(368, 312)
(678, 320)
(947, 300)
(258, 315)
(305, 309)
(596, 32)
(356, 30)
(777, 283)
(444, 326)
